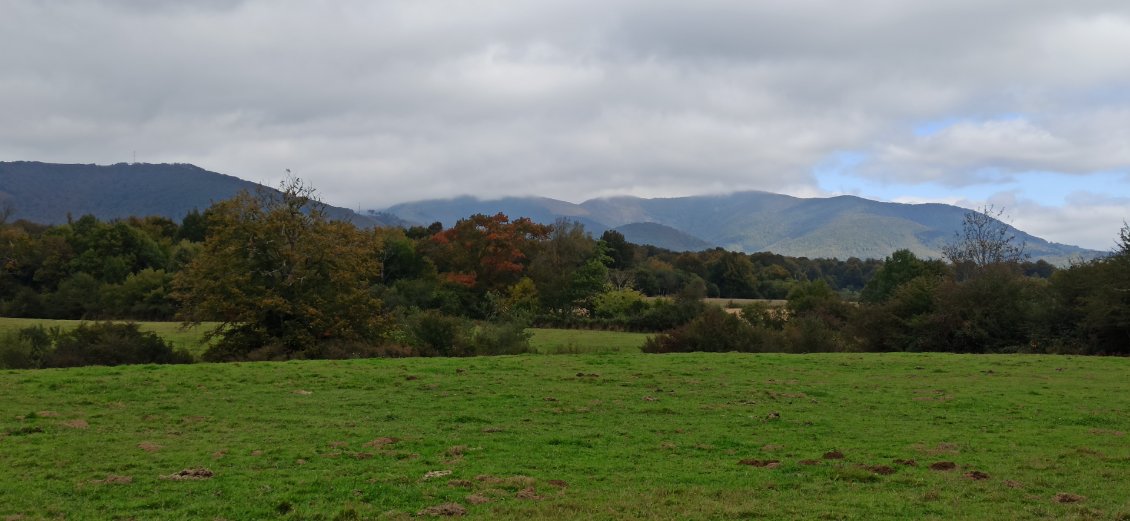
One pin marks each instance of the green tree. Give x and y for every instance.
(1094, 301)
(898, 269)
(569, 269)
(281, 278)
(621, 252)
(733, 273)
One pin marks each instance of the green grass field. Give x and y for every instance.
(619, 436)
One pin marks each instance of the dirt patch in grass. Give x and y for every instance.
(976, 475)
(529, 493)
(446, 509)
(47, 414)
(834, 454)
(512, 482)
(1013, 484)
(1096, 432)
(907, 462)
(339, 444)
(112, 479)
(937, 450)
(381, 442)
(478, 499)
(766, 463)
(1064, 497)
(148, 446)
(76, 424)
(557, 483)
(190, 475)
(455, 454)
(882, 470)
(303, 392)
(943, 465)
(460, 483)
(808, 462)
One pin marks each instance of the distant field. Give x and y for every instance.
(576, 341)
(621, 436)
(739, 302)
(734, 302)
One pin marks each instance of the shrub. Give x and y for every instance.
(102, 343)
(26, 348)
(434, 334)
(500, 338)
(618, 303)
(714, 330)
(108, 343)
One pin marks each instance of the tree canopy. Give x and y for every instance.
(281, 278)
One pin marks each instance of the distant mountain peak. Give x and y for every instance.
(48, 192)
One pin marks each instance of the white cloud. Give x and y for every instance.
(378, 102)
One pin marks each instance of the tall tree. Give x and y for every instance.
(279, 276)
(570, 269)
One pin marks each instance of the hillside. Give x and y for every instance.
(841, 227)
(47, 192)
(663, 236)
(539, 209)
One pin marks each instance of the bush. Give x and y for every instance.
(435, 334)
(108, 343)
(500, 338)
(619, 303)
(26, 348)
(715, 331)
(102, 343)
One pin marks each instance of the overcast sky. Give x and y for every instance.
(1025, 103)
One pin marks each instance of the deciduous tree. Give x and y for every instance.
(281, 278)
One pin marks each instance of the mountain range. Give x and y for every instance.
(841, 227)
(48, 193)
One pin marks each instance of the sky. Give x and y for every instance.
(1023, 104)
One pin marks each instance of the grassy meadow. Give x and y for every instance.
(586, 436)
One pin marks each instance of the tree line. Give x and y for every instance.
(283, 280)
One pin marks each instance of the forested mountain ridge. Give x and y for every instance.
(841, 227)
(47, 193)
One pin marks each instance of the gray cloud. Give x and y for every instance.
(381, 102)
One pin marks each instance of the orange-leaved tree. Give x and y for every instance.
(486, 253)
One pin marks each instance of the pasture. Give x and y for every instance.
(587, 436)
